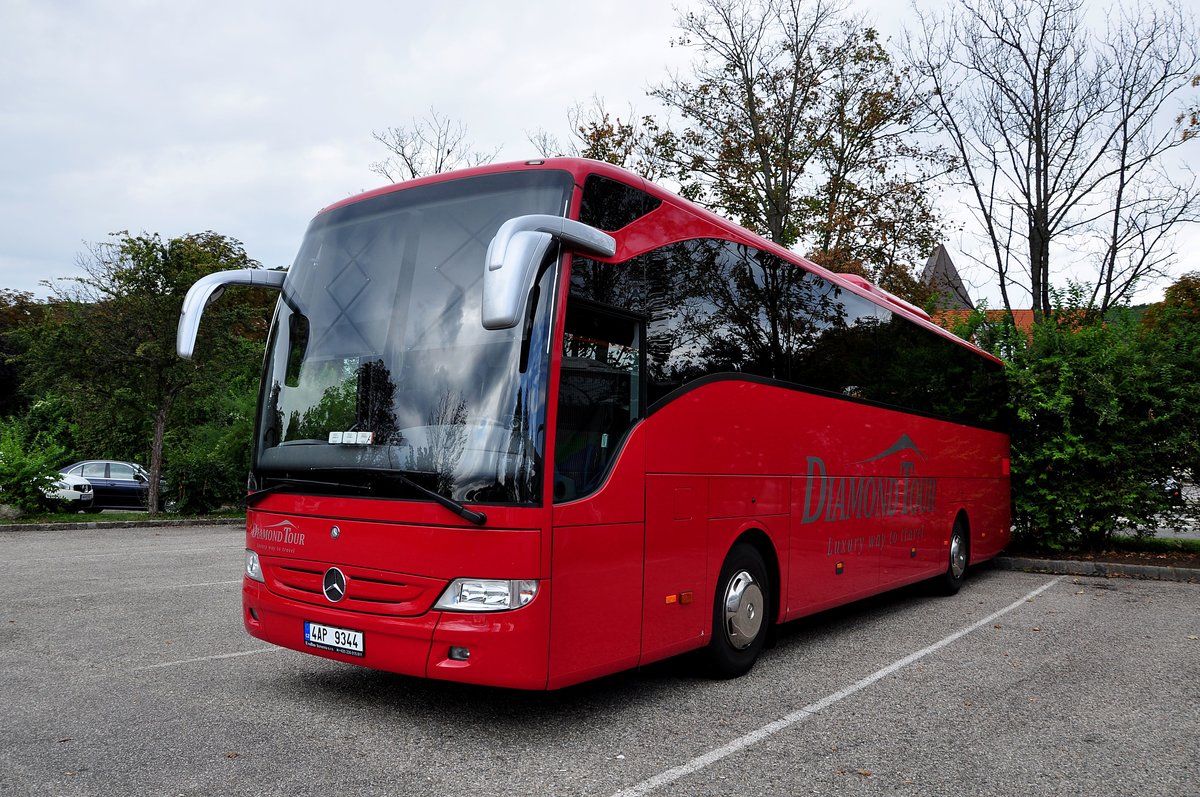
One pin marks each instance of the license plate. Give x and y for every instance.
(339, 640)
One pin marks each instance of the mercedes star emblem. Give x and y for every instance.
(334, 585)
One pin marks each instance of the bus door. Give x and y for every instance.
(599, 495)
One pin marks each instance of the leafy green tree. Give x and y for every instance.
(207, 452)
(1171, 331)
(106, 344)
(797, 122)
(870, 210)
(637, 143)
(17, 309)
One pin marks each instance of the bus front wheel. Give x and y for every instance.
(741, 613)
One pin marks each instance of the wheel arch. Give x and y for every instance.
(758, 539)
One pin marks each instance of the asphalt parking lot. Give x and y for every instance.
(126, 671)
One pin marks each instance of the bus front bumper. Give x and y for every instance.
(507, 649)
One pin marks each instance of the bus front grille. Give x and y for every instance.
(367, 589)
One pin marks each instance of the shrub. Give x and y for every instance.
(1103, 417)
(28, 465)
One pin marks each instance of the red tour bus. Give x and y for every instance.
(533, 423)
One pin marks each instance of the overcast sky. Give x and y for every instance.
(246, 117)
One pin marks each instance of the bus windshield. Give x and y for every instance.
(378, 362)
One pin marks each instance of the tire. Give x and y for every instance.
(949, 582)
(741, 614)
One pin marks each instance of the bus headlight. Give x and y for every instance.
(486, 595)
(253, 569)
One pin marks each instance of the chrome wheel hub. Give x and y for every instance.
(743, 610)
(958, 556)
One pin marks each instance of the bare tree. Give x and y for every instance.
(431, 145)
(1061, 137)
(1148, 202)
(109, 345)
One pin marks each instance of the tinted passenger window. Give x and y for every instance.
(94, 470)
(715, 307)
(610, 205)
(118, 471)
(718, 308)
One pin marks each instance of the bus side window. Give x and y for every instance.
(599, 394)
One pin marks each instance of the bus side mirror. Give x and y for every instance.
(516, 252)
(506, 284)
(207, 290)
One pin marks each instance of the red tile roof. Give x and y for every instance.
(948, 318)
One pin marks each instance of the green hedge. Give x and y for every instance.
(1106, 412)
(28, 465)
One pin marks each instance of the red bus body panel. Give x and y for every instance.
(880, 542)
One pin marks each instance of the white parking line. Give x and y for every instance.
(798, 716)
(217, 657)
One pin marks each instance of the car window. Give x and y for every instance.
(119, 470)
(76, 471)
(93, 469)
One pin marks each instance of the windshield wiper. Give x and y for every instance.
(281, 482)
(470, 515)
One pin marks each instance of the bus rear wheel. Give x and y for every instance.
(949, 582)
(741, 613)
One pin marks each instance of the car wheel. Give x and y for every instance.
(741, 613)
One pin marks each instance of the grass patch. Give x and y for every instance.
(117, 516)
(1156, 544)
